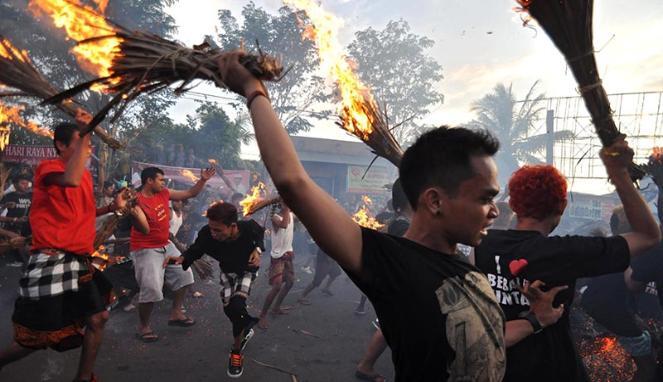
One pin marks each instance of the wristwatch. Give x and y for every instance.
(536, 325)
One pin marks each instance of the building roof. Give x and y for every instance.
(335, 151)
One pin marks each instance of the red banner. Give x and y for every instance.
(239, 178)
(31, 155)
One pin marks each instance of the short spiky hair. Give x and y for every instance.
(63, 133)
(441, 157)
(537, 192)
(149, 173)
(225, 213)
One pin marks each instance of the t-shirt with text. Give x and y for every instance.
(437, 313)
(20, 208)
(509, 258)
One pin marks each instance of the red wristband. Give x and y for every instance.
(252, 97)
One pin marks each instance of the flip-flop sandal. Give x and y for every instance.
(183, 323)
(147, 337)
(370, 377)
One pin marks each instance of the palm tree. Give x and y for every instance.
(511, 121)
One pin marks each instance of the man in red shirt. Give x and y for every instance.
(151, 247)
(62, 299)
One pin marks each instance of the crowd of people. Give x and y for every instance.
(498, 312)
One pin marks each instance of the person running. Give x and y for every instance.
(150, 247)
(62, 298)
(511, 258)
(237, 246)
(437, 312)
(281, 269)
(325, 268)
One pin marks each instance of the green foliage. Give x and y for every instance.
(395, 64)
(512, 121)
(294, 96)
(50, 51)
(210, 133)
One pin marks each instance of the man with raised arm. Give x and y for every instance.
(437, 312)
(62, 298)
(149, 248)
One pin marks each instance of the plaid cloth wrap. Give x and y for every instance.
(51, 275)
(232, 285)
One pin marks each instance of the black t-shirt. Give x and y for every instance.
(22, 203)
(648, 268)
(438, 313)
(549, 355)
(232, 255)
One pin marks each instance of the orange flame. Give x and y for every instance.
(189, 175)
(608, 344)
(11, 115)
(212, 162)
(9, 51)
(363, 216)
(100, 259)
(256, 194)
(101, 5)
(657, 153)
(81, 22)
(356, 98)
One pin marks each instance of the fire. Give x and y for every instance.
(608, 344)
(4, 136)
(81, 22)
(363, 216)
(212, 162)
(100, 259)
(9, 51)
(606, 359)
(189, 175)
(256, 194)
(657, 154)
(11, 115)
(101, 5)
(356, 98)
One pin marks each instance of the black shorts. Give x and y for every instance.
(58, 321)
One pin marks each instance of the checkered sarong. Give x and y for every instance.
(51, 275)
(232, 284)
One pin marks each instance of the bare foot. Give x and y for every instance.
(304, 301)
(287, 307)
(263, 324)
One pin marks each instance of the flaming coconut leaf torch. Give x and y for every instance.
(129, 63)
(18, 72)
(360, 114)
(568, 23)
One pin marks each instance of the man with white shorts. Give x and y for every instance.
(150, 251)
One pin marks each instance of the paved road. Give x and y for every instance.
(329, 352)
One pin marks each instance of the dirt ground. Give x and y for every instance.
(321, 342)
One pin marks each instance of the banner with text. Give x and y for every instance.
(28, 154)
(373, 182)
(239, 178)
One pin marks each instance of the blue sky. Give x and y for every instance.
(479, 43)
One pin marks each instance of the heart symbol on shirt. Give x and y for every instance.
(517, 266)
